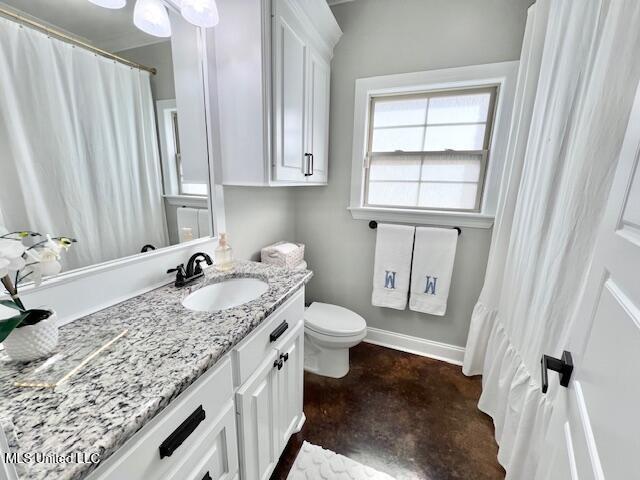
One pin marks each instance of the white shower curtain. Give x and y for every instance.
(579, 70)
(78, 148)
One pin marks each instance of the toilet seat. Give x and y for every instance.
(333, 321)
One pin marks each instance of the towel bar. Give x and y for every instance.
(373, 225)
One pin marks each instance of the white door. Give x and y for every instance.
(256, 402)
(318, 118)
(290, 386)
(595, 430)
(289, 78)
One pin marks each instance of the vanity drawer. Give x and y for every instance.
(216, 456)
(162, 445)
(252, 351)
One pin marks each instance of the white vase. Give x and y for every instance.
(32, 342)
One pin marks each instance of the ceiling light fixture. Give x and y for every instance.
(151, 17)
(113, 4)
(202, 13)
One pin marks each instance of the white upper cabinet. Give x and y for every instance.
(290, 92)
(272, 61)
(317, 118)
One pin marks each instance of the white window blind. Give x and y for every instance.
(429, 150)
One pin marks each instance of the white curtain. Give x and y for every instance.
(78, 148)
(579, 70)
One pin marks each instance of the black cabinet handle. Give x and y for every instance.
(564, 366)
(279, 364)
(284, 356)
(206, 476)
(181, 433)
(277, 333)
(308, 171)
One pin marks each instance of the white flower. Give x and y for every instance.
(49, 264)
(53, 246)
(11, 252)
(45, 261)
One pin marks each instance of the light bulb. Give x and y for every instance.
(202, 13)
(109, 3)
(151, 17)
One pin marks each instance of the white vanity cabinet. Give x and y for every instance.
(269, 401)
(269, 407)
(194, 437)
(273, 72)
(257, 422)
(235, 420)
(290, 386)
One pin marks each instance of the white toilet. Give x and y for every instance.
(329, 332)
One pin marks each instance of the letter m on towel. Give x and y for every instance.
(431, 285)
(389, 279)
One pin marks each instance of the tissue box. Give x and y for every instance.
(272, 255)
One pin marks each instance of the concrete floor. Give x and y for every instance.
(409, 416)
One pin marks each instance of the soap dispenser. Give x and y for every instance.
(223, 254)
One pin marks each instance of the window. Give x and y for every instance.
(429, 150)
(429, 147)
(171, 153)
(184, 188)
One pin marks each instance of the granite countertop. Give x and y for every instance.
(166, 349)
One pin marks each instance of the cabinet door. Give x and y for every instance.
(289, 79)
(290, 384)
(317, 130)
(256, 402)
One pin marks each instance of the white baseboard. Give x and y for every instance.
(419, 346)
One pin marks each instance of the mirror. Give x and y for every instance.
(109, 151)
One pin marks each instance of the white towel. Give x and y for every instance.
(433, 257)
(392, 269)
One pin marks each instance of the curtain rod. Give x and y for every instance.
(74, 41)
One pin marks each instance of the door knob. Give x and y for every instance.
(563, 365)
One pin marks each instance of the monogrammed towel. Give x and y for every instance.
(392, 269)
(433, 257)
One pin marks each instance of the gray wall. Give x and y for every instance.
(158, 56)
(385, 37)
(258, 216)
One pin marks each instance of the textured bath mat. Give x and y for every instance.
(316, 463)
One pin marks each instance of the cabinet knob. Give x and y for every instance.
(284, 356)
(278, 363)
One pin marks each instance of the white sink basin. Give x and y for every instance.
(226, 294)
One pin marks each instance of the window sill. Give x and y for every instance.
(195, 201)
(423, 217)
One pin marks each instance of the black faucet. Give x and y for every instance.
(193, 265)
(193, 270)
